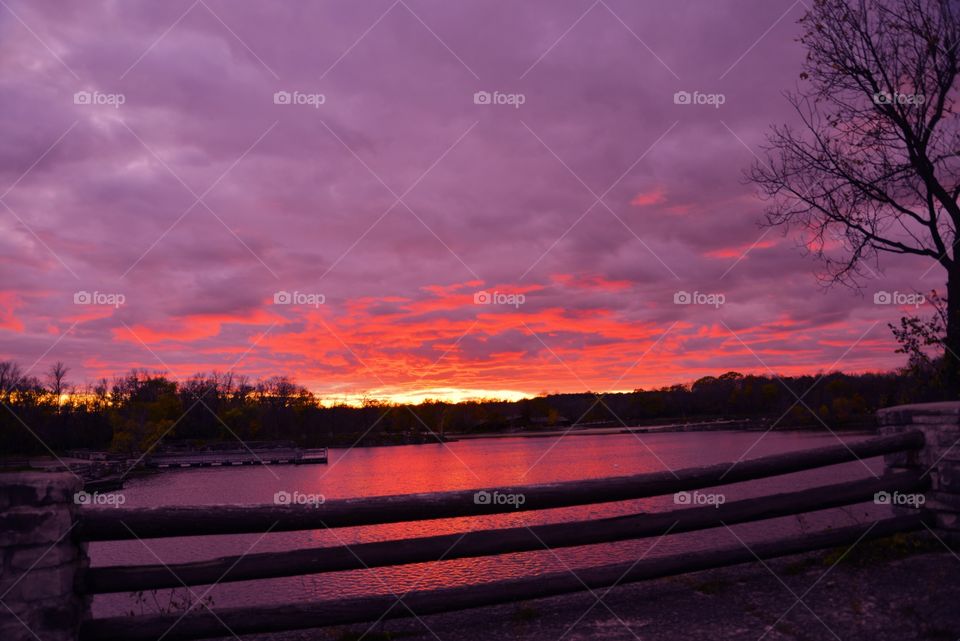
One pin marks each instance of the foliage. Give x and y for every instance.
(142, 410)
(917, 335)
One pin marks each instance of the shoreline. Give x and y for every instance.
(47, 462)
(676, 428)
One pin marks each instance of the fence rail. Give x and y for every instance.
(98, 524)
(490, 542)
(343, 611)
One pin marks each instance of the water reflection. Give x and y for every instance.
(465, 465)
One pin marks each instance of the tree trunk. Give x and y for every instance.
(951, 357)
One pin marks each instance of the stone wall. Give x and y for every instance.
(39, 561)
(939, 459)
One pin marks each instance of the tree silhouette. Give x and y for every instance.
(874, 165)
(57, 375)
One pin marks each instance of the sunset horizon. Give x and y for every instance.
(580, 219)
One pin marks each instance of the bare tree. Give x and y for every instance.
(873, 165)
(11, 377)
(56, 376)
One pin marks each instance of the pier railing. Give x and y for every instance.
(915, 453)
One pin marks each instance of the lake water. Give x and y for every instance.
(487, 463)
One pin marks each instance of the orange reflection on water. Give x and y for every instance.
(495, 464)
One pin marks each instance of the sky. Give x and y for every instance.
(405, 199)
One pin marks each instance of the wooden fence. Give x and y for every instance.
(106, 524)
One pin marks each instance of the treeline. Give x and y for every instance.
(134, 412)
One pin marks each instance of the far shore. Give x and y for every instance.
(706, 426)
(42, 462)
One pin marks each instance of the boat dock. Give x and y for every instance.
(226, 458)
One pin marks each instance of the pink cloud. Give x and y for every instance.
(494, 199)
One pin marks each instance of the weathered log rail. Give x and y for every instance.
(356, 610)
(490, 542)
(99, 524)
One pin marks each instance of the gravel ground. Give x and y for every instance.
(881, 592)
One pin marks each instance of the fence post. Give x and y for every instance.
(939, 458)
(39, 560)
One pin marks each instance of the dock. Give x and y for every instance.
(227, 458)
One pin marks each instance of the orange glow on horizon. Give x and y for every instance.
(439, 343)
